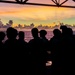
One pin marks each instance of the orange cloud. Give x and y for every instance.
(37, 13)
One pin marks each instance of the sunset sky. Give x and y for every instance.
(45, 15)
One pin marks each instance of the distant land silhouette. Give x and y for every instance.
(32, 25)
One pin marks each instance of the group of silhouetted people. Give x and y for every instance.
(29, 58)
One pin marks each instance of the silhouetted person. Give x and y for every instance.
(63, 28)
(11, 50)
(54, 44)
(11, 35)
(55, 39)
(23, 52)
(67, 49)
(21, 41)
(43, 34)
(37, 54)
(2, 36)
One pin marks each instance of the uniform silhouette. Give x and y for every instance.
(2, 62)
(23, 53)
(11, 51)
(54, 45)
(67, 49)
(43, 34)
(37, 54)
(2, 36)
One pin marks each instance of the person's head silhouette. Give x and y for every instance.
(43, 33)
(63, 28)
(11, 33)
(34, 32)
(21, 35)
(69, 31)
(56, 32)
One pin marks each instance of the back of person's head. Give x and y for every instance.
(21, 35)
(34, 32)
(57, 32)
(2, 35)
(64, 29)
(43, 33)
(11, 33)
(69, 31)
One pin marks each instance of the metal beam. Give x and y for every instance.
(37, 4)
(64, 2)
(55, 2)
